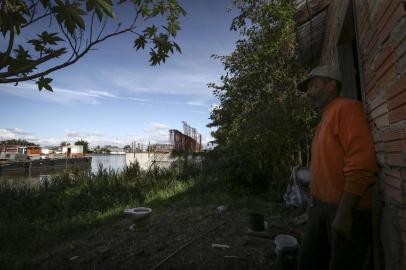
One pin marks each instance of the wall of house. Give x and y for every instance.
(146, 160)
(381, 40)
(33, 151)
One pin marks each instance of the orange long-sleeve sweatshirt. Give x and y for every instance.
(343, 155)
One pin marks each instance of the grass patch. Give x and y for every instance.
(34, 218)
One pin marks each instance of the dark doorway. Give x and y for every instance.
(347, 52)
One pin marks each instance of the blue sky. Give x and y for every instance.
(113, 96)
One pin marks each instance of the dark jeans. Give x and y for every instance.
(320, 250)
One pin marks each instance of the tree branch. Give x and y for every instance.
(32, 65)
(36, 19)
(67, 37)
(9, 48)
(91, 28)
(69, 61)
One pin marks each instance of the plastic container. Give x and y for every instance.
(287, 249)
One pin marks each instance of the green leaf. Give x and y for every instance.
(177, 47)
(150, 31)
(38, 45)
(101, 7)
(51, 38)
(44, 83)
(22, 53)
(140, 42)
(107, 6)
(70, 15)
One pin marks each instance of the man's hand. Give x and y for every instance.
(342, 224)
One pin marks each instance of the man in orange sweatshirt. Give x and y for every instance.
(343, 164)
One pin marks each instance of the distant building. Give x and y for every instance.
(20, 152)
(72, 150)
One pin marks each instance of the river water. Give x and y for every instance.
(115, 162)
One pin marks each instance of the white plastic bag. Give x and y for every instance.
(294, 195)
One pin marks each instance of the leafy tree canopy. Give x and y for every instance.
(81, 25)
(263, 123)
(127, 148)
(64, 143)
(85, 145)
(18, 142)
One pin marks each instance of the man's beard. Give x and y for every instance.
(319, 101)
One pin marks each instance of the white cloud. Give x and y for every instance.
(175, 82)
(66, 96)
(16, 133)
(155, 132)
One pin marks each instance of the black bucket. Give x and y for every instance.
(256, 222)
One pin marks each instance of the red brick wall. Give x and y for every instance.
(382, 44)
(381, 38)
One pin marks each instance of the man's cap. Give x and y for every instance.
(325, 71)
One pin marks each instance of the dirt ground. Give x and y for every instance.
(128, 245)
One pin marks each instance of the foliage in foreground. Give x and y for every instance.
(263, 123)
(77, 27)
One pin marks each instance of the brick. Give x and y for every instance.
(367, 35)
(394, 172)
(402, 65)
(392, 193)
(363, 12)
(369, 76)
(365, 29)
(386, 55)
(387, 74)
(386, 6)
(397, 114)
(381, 121)
(393, 182)
(374, 104)
(393, 134)
(372, 47)
(398, 101)
(394, 146)
(403, 173)
(378, 147)
(395, 159)
(393, 19)
(379, 111)
(372, 93)
(397, 88)
(401, 49)
(377, 137)
(371, 83)
(399, 32)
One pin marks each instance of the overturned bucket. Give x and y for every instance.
(287, 249)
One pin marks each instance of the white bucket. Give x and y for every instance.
(284, 241)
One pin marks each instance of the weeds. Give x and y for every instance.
(33, 217)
